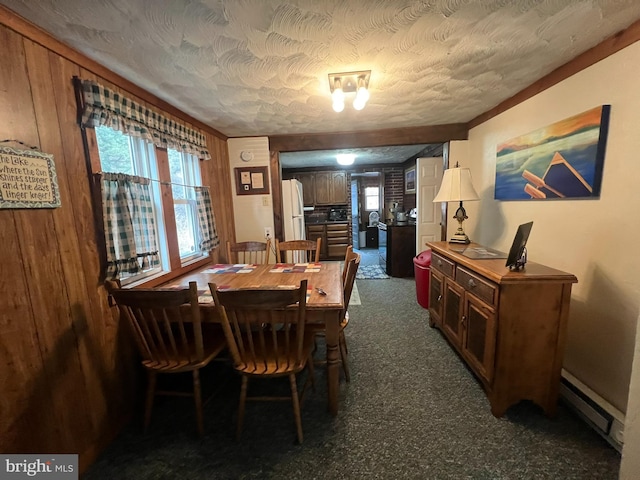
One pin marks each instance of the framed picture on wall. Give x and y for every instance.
(252, 180)
(410, 180)
(563, 160)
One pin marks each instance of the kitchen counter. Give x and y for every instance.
(396, 224)
(324, 222)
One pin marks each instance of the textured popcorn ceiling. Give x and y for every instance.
(259, 67)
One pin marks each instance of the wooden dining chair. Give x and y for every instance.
(350, 278)
(265, 331)
(168, 332)
(352, 263)
(249, 252)
(349, 254)
(309, 251)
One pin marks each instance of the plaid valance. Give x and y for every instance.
(102, 106)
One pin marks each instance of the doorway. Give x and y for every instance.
(367, 203)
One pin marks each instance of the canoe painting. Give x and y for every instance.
(562, 160)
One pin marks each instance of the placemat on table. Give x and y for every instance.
(296, 268)
(226, 268)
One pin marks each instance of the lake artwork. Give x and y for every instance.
(562, 160)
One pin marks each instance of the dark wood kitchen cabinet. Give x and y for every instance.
(336, 237)
(322, 188)
(318, 231)
(401, 248)
(308, 187)
(508, 326)
(330, 188)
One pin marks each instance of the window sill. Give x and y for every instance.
(164, 277)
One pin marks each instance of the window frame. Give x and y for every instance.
(176, 266)
(377, 195)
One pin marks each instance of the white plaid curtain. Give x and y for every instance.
(206, 220)
(102, 106)
(129, 224)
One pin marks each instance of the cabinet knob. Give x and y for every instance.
(472, 284)
(439, 297)
(439, 263)
(464, 321)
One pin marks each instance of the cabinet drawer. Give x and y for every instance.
(337, 250)
(337, 240)
(337, 233)
(316, 228)
(344, 227)
(442, 264)
(478, 286)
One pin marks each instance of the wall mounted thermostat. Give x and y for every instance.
(246, 156)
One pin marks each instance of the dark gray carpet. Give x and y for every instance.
(412, 410)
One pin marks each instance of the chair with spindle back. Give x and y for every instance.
(168, 332)
(307, 251)
(352, 262)
(249, 252)
(265, 331)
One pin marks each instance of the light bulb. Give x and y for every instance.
(358, 104)
(338, 106)
(363, 94)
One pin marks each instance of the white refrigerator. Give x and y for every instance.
(293, 214)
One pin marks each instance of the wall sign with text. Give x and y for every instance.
(252, 180)
(27, 179)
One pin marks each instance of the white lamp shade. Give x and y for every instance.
(456, 186)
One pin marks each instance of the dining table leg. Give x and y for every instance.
(332, 331)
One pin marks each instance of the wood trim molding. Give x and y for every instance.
(22, 26)
(371, 138)
(592, 56)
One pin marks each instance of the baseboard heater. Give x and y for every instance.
(603, 417)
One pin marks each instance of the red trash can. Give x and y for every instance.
(422, 267)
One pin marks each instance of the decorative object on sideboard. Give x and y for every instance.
(456, 186)
(562, 160)
(518, 253)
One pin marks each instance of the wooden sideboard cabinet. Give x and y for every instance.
(508, 326)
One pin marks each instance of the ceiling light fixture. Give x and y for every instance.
(350, 82)
(345, 158)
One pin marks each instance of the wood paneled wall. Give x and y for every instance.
(68, 373)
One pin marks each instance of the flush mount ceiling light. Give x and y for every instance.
(345, 158)
(350, 82)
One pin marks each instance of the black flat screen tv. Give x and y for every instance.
(517, 248)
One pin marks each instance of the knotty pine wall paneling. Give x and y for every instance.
(68, 371)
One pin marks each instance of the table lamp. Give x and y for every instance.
(456, 187)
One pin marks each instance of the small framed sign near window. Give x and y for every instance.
(252, 180)
(410, 180)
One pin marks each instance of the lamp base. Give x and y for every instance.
(459, 238)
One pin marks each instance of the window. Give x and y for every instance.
(372, 199)
(185, 173)
(120, 153)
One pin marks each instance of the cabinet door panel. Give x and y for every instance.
(323, 188)
(479, 342)
(451, 321)
(339, 188)
(435, 299)
(308, 188)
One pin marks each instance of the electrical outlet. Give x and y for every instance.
(267, 232)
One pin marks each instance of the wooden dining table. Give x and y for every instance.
(322, 309)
